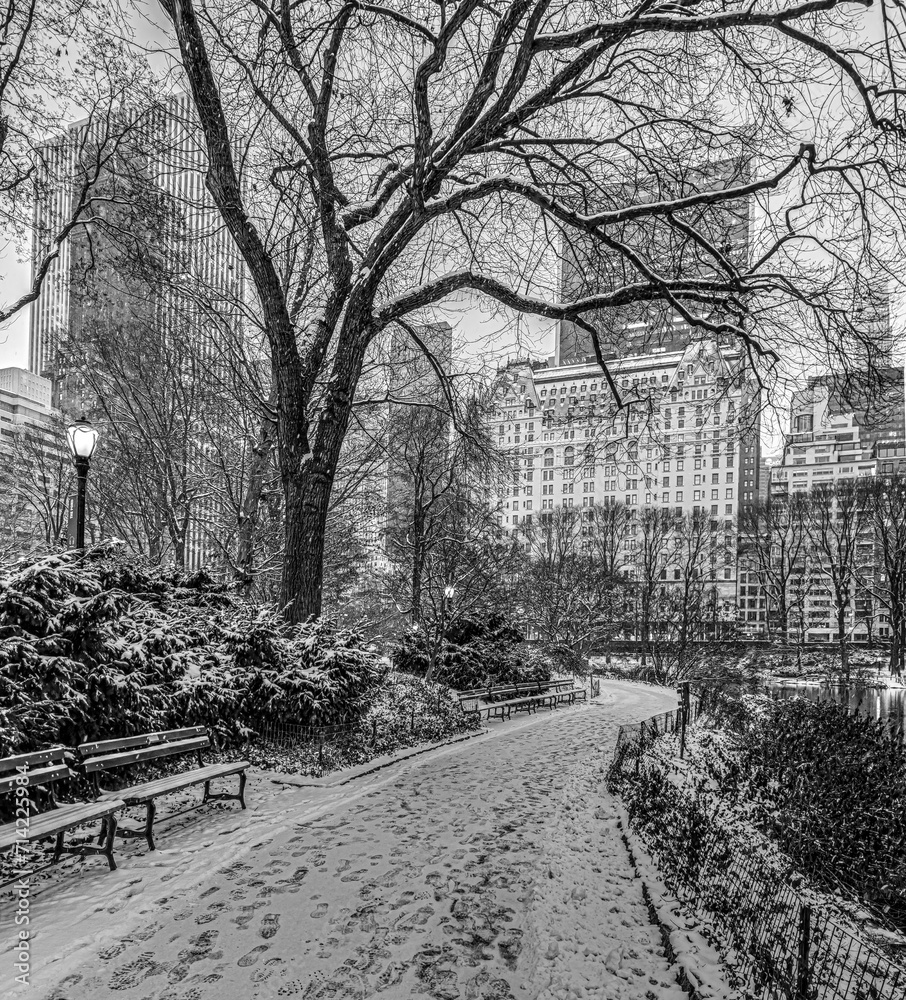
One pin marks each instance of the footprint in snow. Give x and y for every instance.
(252, 957)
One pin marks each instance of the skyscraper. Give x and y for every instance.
(150, 217)
(132, 305)
(589, 267)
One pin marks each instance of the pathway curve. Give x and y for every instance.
(490, 870)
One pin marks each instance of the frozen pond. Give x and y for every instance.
(876, 703)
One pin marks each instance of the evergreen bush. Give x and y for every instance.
(93, 645)
(828, 786)
(476, 650)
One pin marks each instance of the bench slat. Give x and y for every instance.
(175, 782)
(517, 687)
(56, 820)
(36, 776)
(93, 764)
(145, 739)
(30, 759)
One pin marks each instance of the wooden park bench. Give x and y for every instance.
(505, 691)
(527, 703)
(109, 755)
(40, 770)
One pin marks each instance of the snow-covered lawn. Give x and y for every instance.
(494, 868)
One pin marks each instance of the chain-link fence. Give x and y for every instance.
(778, 945)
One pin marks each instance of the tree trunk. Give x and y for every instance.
(307, 499)
(842, 640)
(418, 563)
(308, 469)
(243, 571)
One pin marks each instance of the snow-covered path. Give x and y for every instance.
(491, 869)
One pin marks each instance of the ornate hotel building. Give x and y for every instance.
(690, 443)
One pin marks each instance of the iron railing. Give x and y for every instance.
(778, 945)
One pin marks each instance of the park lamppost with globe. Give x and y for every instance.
(82, 439)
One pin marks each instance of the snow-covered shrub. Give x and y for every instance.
(826, 786)
(93, 645)
(404, 712)
(830, 787)
(475, 650)
(675, 822)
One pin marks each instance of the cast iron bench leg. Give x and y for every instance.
(207, 792)
(150, 810)
(102, 833)
(108, 845)
(242, 788)
(58, 847)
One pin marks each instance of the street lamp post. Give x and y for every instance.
(82, 439)
(449, 594)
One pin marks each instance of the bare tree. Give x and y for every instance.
(604, 532)
(441, 529)
(569, 595)
(696, 551)
(424, 149)
(885, 499)
(837, 521)
(650, 539)
(36, 479)
(773, 546)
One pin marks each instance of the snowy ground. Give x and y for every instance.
(489, 870)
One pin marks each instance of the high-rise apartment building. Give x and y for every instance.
(836, 434)
(687, 440)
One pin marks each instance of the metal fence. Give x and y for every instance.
(290, 735)
(778, 946)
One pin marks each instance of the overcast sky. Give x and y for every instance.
(479, 331)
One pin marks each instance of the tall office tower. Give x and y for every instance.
(418, 432)
(35, 470)
(136, 299)
(589, 268)
(871, 317)
(398, 439)
(691, 446)
(152, 233)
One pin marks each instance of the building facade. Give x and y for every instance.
(686, 440)
(35, 469)
(837, 437)
(589, 268)
(150, 267)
